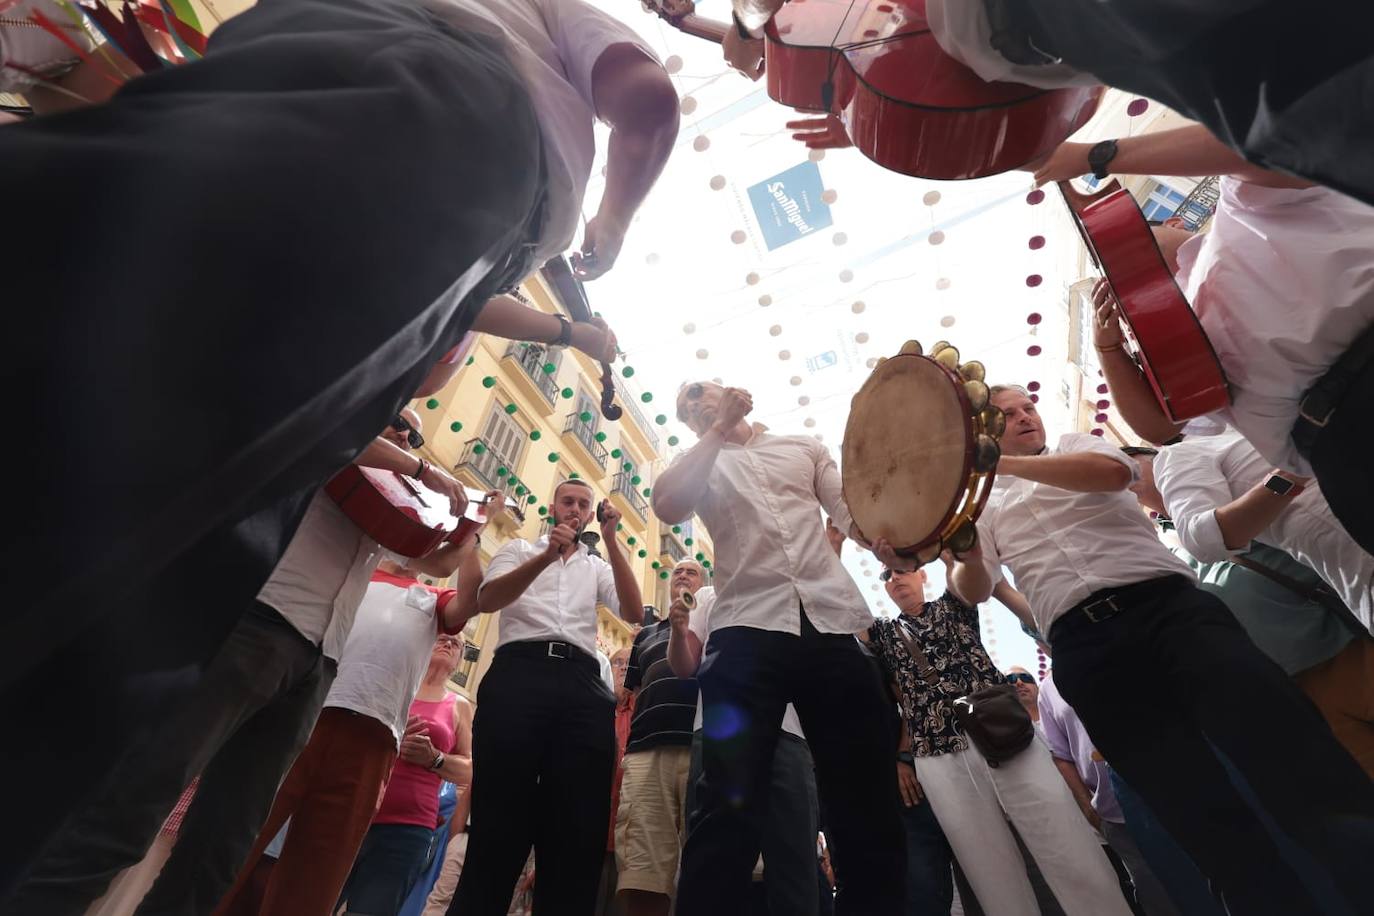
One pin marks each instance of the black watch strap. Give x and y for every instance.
(1100, 158)
(564, 331)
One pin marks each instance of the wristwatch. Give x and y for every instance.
(438, 761)
(564, 332)
(1100, 157)
(1282, 486)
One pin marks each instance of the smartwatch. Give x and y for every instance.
(1100, 157)
(1281, 486)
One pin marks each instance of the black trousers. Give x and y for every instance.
(1338, 454)
(543, 757)
(233, 274)
(1172, 676)
(239, 730)
(1292, 86)
(747, 678)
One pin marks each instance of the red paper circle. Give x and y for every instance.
(1034, 197)
(1103, 404)
(1034, 280)
(1036, 242)
(1035, 399)
(1033, 317)
(1101, 418)
(1097, 431)
(1137, 107)
(1032, 386)
(1101, 389)
(1033, 350)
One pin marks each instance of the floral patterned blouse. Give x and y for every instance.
(947, 632)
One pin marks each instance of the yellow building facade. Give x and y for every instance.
(524, 417)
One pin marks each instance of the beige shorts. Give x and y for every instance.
(651, 821)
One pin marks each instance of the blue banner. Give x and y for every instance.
(788, 206)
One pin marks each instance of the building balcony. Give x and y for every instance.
(627, 497)
(641, 423)
(539, 386)
(584, 434)
(670, 546)
(480, 465)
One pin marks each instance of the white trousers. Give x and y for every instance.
(973, 801)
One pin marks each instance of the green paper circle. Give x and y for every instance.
(511, 408)
(455, 426)
(663, 574)
(469, 362)
(615, 453)
(677, 529)
(585, 416)
(706, 563)
(688, 542)
(478, 448)
(432, 403)
(600, 437)
(634, 481)
(643, 554)
(648, 491)
(661, 419)
(630, 540)
(550, 368)
(519, 491)
(535, 435)
(532, 500)
(672, 440)
(489, 382)
(628, 371)
(646, 397)
(700, 556)
(567, 393)
(619, 526)
(543, 510)
(553, 456)
(629, 466)
(573, 476)
(655, 564)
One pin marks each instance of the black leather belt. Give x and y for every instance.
(1326, 395)
(554, 649)
(1106, 603)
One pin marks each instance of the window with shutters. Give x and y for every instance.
(505, 437)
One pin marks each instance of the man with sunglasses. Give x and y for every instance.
(972, 800)
(783, 624)
(1113, 601)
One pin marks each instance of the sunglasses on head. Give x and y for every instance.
(402, 425)
(1020, 676)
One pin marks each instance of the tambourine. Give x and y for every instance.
(920, 451)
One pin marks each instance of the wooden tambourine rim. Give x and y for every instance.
(970, 473)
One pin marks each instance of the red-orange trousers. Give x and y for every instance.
(330, 795)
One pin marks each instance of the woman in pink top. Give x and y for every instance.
(397, 844)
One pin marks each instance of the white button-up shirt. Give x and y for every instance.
(560, 603)
(1283, 284)
(1198, 475)
(762, 507)
(554, 44)
(1062, 546)
(700, 623)
(322, 577)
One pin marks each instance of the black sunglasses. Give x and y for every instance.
(1020, 676)
(401, 424)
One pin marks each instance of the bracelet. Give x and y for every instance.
(424, 466)
(438, 761)
(905, 757)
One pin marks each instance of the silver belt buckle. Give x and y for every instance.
(559, 650)
(1109, 602)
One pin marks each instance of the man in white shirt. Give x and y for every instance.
(1114, 602)
(1283, 284)
(544, 735)
(788, 845)
(782, 630)
(1224, 63)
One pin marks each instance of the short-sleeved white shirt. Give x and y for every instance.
(561, 602)
(555, 45)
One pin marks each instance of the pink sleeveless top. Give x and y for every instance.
(412, 794)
